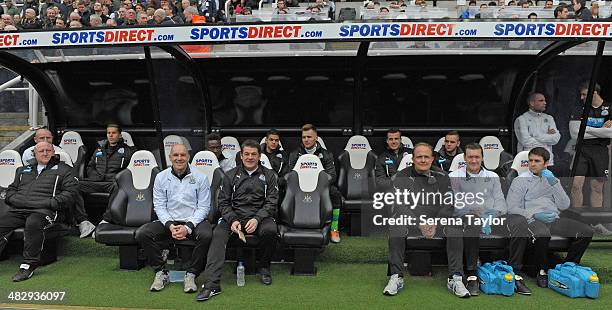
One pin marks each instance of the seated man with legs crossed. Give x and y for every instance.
(488, 202)
(247, 202)
(181, 199)
(538, 197)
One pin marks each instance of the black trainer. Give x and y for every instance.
(265, 276)
(473, 285)
(208, 293)
(521, 288)
(25, 272)
(542, 280)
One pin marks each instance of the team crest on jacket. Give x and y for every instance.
(140, 196)
(192, 180)
(307, 198)
(604, 111)
(279, 155)
(121, 150)
(2, 194)
(320, 155)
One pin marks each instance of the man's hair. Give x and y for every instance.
(191, 10)
(272, 132)
(249, 143)
(474, 146)
(531, 96)
(540, 151)
(427, 145)
(393, 130)
(308, 127)
(558, 10)
(585, 85)
(213, 137)
(113, 125)
(453, 133)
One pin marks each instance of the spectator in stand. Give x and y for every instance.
(119, 15)
(16, 20)
(95, 21)
(191, 16)
(581, 11)
(111, 23)
(66, 7)
(127, 4)
(142, 19)
(10, 9)
(45, 5)
(292, 3)
(75, 24)
(60, 23)
(548, 4)
(130, 18)
(97, 9)
(175, 19)
(30, 21)
(150, 12)
(532, 16)
(74, 17)
(29, 4)
(10, 28)
(139, 7)
(595, 10)
(524, 4)
(50, 20)
(160, 18)
(561, 12)
(7, 20)
(83, 12)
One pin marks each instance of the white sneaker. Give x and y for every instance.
(456, 286)
(601, 230)
(161, 279)
(86, 228)
(395, 284)
(189, 284)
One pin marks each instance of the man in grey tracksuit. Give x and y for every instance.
(536, 128)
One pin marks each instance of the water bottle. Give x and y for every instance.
(240, 274)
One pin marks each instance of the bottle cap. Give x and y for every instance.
(594, 278)
(508, 277)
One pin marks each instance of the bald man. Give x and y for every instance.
(181, 199)
(41, 135)
(36, 199)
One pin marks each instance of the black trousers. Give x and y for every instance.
(335, 196)
(267, 231)
(462, 240)
(86, 187)
(34, 225)
(539, 233)
(154, 236)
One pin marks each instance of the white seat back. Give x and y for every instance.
(229, 147)
(320, 140)
(308, 167)
(206, 162)
(407, 142)
(457, 163)
(127, 138)
(265, 161)
(280, 144)
(405, 162)
(64, 157)
(521, 162)
(10, 160)
(169, 142)
(141, 164)
(439, 144)
(71, 143)
(492, 149)
(358, 148)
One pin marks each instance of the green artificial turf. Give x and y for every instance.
(351, 276)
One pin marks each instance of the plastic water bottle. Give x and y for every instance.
(240, 274)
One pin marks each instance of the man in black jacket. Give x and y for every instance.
(35, 200)
(418, 179)
(110, 157)
(278, 157)
(310, 145)
(450, 149)
(247, 201)
(388, 162)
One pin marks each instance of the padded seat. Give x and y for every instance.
(130, 208)
(229, 146)
(304, 237)
(493, 152)
(72, 144)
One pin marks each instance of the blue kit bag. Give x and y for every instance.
(496, 278)
(574, 280)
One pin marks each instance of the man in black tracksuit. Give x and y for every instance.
(388, 162)
(278, 158)
(110, 157)
(419, 178)
(247, 202)
(310, 145)
(35, 200)
(450, 149)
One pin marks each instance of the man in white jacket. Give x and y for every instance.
(538, 197)
(535, 128)
(181, 200)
